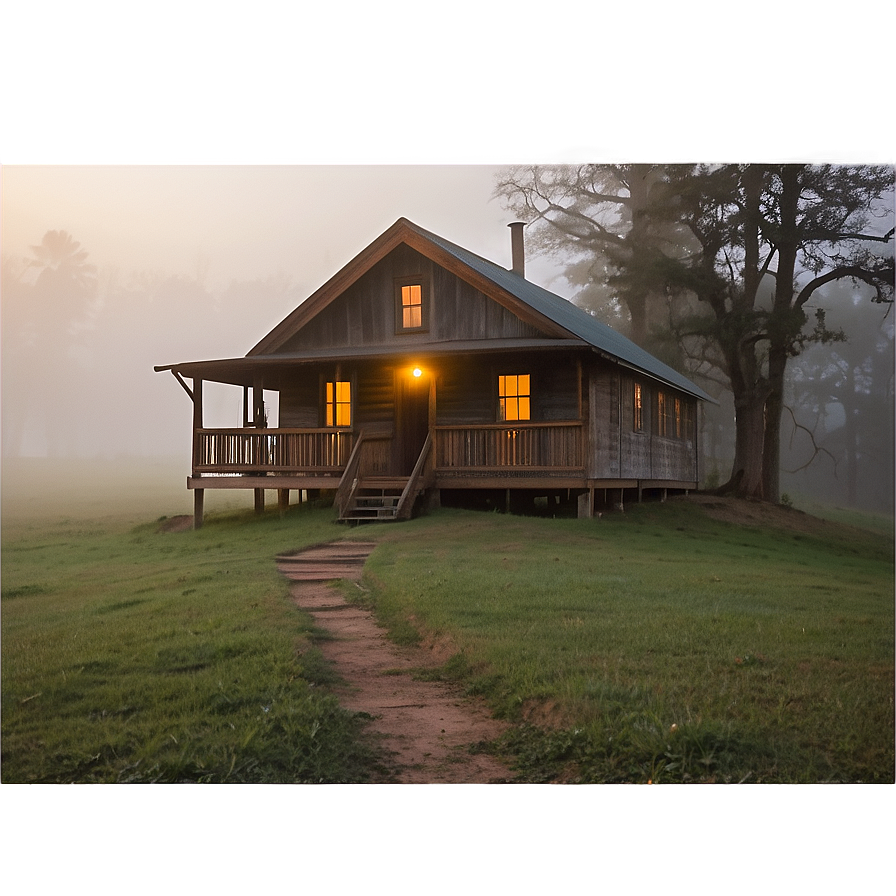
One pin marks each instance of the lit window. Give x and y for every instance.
(638, 423)
(410, 310)
(661, 411)
(339, 403)
(514, 397)
(678, 420)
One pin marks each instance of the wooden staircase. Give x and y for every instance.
(376, 499)
(362, 498)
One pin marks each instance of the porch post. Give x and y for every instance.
(198, 494)
(197, 421)
(283, 500)
(258, 402)
(198, 507)
(259, 500)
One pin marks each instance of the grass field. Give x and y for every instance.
(660, 645)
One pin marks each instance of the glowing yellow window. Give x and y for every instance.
(339, 403)
(412, 306)
(514, 397)
(638, 424)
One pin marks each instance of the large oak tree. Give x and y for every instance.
(747, 246)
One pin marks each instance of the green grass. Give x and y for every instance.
(661, 645)
(135, 656)
(657, 645)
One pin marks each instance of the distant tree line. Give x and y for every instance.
(79, 345)
(731, 273)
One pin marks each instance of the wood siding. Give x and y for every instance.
(619, 450)
(365, 313)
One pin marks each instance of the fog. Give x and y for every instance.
(200, 262)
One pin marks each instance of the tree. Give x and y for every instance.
(43, 317)
(745, 248)
(769, 237)
(839, 408)
(594, 215)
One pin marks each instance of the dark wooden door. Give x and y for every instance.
(412, 423)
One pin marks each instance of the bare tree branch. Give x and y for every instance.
(817, 449)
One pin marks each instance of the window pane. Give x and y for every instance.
(412, 317)
(513, 397)
(339, 403)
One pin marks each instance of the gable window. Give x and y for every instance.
(339, 403)
(411, 313)
(514, 397)
(638, 417)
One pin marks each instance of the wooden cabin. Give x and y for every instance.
(422, 373)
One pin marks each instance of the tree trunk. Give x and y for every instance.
(774, 408)
(746, 472)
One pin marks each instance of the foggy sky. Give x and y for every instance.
(233, 142)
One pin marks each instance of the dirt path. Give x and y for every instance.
(427, 726)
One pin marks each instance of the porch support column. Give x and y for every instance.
(586, 504)
(198, 507)
(258, 402)
(283, 500)
(197, 420)
(198, 494)
(259, 500)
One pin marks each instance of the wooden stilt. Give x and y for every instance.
(259, 500)
(586, 505)
(198, 507)
(283, 500)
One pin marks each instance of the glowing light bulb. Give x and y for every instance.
(417, 372)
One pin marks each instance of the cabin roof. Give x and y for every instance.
(565, 324)
(572, 318)
(556, 315)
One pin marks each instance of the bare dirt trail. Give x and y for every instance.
(427, 726)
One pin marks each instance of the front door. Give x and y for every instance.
(412, 419)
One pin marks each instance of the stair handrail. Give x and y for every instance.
(412, 488)
(349, 481)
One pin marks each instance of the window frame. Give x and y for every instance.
(674, 416)
(400, 284)
(504, 397)
(336, 404)
(638, 408)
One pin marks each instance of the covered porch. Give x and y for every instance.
(311, 460)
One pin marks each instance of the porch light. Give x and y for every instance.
(417, 372)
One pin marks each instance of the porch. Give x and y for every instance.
(517, 455)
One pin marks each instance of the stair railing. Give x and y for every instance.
(348, 484)
(414, 484)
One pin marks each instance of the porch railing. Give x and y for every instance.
(534, 446)
(271, 450)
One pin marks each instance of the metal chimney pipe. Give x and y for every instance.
(517, 248)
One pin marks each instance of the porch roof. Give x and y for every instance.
(242, 371)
